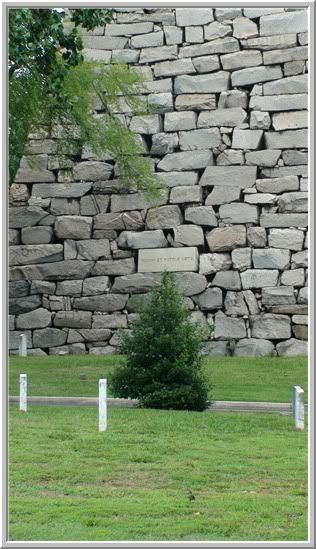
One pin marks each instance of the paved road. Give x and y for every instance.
(215, 406)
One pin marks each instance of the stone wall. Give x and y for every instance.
(228, 135)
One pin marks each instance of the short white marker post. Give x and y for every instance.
(23, 392)
(298, 406)
(102, 405)
(23, 346)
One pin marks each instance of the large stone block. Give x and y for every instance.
(190, 283)
(188, 235)
(293, 202)
(291, 239)
(135, 201)
(291, 139)
(210, 83)
(174, 68)
(193, 16)
(93, 249)
(235, 304)
(226, 327)
(87, 335)
(244, 27)
(216, 30)
(232, 176)
(217, 197)
(284, 220)
(175, 179)
(96, 285)
(288, 85)
(131, 220)
(197, 101)
(145, 239)
(92, 171)
(104, 42)
(103, 303)
(285, 56)
(149, 40)
(241, 59)
(259, 278)
(215, 348)
(207, 63)
(200, 139)
(114, 267)
(147, 124)
(59, 270)
(254, 347)
(69, 287)
(239, 213)
(40, 253)
(109, 321)
(270, 326)
(73, 319)
(284, 23)
(25, 216)
(254, 13)
(292, 347)
(29, 175)
(38, 318)
(160, 102)
(280, 41)
(245, 77)
(209, 300)
(271, 258)
(68, 190)
(233, 99)
(173, 35)
(19, 289)
(36, 235)
(279, 102)
(187, 160)
(247, 139)
(229, 280)
(257, 237)
(222, 117)
(293, 277)
(263, 158)
(137, 283)
(73, 226)
(221, 45)
(175, 121)
(300, 259)
(278, 295)
(163, 143)
(201, 215)
(242, 258)
(152, 55)
(224, 239)
(42, 287)
(211, 263)
(164, 217)
(278, 185)
(65, 206)
(128, 29)
(49, 337)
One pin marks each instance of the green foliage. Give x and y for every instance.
(163, 355)
(50, 84)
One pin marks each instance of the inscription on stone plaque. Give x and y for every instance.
(168, 259)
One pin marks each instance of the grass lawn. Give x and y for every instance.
(253, 379)
(247, 474)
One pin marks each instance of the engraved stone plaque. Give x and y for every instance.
(168, 259)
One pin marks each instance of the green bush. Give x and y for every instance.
(163, 355)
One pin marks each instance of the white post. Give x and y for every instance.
(298, 406)
(23, 392)
(102, 405)
(23, 345)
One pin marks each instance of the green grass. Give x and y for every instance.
(253, 379)
(247, 472)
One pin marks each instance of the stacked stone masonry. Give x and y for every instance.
(227, 134)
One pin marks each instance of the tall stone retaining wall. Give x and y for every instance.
(228, 89)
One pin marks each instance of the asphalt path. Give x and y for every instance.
(214, 406)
